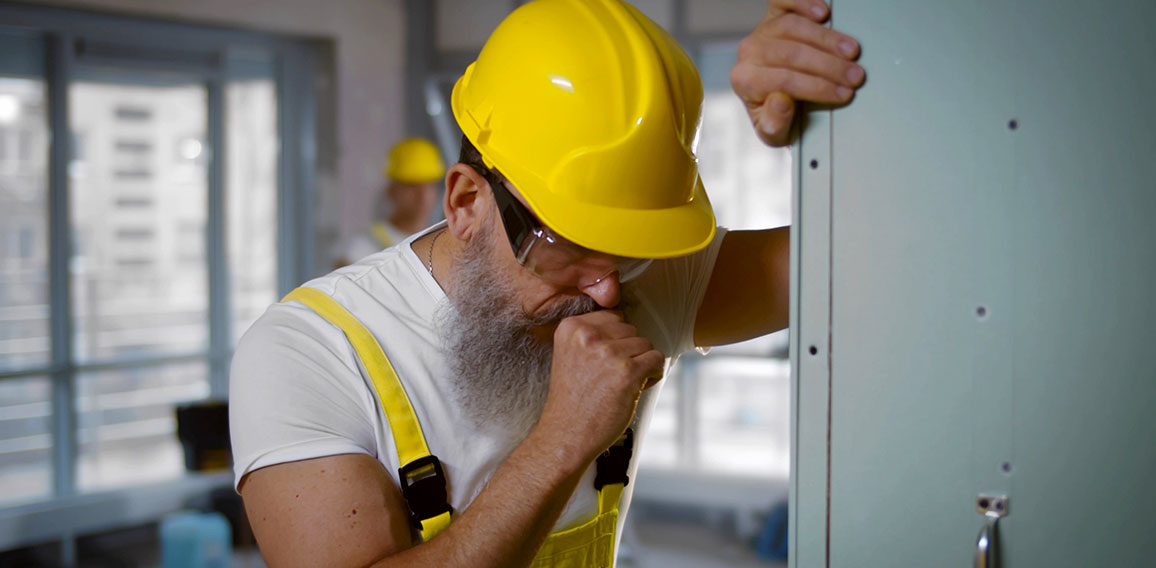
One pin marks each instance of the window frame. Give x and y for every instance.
(73, 44)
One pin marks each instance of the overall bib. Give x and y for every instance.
(423, 482)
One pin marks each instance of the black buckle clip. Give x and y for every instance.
(423, 484)
(615, 462)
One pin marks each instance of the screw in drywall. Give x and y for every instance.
(1013, 124)
(1005, 467)
(981, 312)
(814, 164)
(814, 350)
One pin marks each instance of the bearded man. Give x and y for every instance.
(474, 395)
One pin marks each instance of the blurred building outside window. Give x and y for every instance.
(253, 143)
(139, 226)
(135, 292)
(139, 273)
(25, 408)
(23, 212)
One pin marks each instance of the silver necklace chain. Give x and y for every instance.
(429, 257)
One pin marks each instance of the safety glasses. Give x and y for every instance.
(549, 256)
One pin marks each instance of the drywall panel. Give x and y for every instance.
(810, 346)
(991, 256)
(912, 154)
(1084, 251)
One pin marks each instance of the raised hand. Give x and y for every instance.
(791, 56)
(601, 366)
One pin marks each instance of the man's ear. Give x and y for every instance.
(466, 202)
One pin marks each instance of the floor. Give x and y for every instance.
(663, 544)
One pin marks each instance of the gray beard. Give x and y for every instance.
(501, 370)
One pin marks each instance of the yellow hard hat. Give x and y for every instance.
(416, 161)
(592, 112)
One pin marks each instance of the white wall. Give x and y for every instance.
(370, 69)
(464, 25)
(724, 16)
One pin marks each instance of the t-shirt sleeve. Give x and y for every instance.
(295, 393)
(666, 298)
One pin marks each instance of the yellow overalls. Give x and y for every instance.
(422, 480)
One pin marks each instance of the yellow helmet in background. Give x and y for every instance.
(592, 112)
(415, 161)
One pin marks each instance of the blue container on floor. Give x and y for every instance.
(772, 544)
(196, 540)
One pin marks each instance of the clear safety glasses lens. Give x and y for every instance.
(559, 261)
(549, 256)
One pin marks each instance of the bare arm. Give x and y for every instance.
(347, 511)
(340, 510)
(749, 288)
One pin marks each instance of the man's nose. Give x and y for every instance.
(605, 291)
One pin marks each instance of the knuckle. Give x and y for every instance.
(587, 335)
(655, 355)
(645, 361)
(602, 350)
(565, 330)
(744, 49)
(751, 46)
(567, 325)
(809, 87)
(785, 24)
(790, 84)
(774, 25)
(741, 78)
(790, 55)
(647, 346)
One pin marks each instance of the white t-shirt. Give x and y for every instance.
(298, 391)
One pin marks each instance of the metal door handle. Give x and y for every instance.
(986, 555)
(993, 508)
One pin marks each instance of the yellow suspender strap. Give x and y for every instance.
(421, 473)
(381, 234)
(609, 496)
